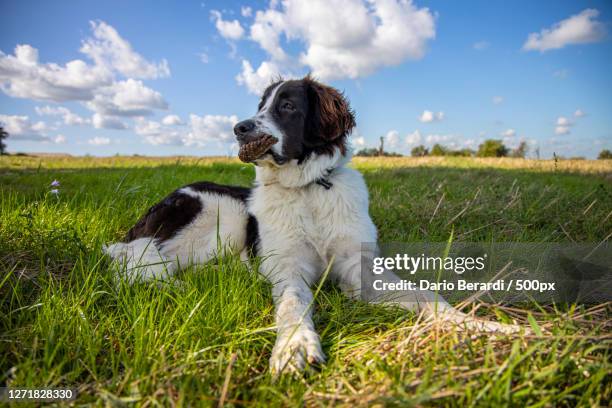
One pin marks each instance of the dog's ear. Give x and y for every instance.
(330, 117)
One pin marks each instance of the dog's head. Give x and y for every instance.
(294, 119)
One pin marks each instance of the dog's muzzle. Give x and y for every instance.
(253, 144)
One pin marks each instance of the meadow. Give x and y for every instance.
(63, 322)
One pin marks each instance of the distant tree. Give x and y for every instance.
(520, 151)
(367, 152)
(462, 152)
(3, 135)
(375, 152)
(492, 148)
(438, 150)
(605, 154)
(419, 151)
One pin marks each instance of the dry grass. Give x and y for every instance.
(603, 167)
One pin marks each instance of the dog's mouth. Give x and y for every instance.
(253, 150)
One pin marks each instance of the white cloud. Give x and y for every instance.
(107, 122)
(350, 39)
(508, 133)
(156, 134)
(359, 141)
(23, 76)
(257, 81)
(108, 49)
(446, 140)
(165, 138)
(563, 126)
(481, 45)
(230, 30)
(497, 100)
(580, 28)
(429, 116)
(203, 57)
(59, 139)
(392, 139)
(69, 117)
(413, 138)
(147, 127)
(246, 11)
(210, 128)
(563, 121)
(172, 120)
(99, 141)
(97, 85)
(200, 132)
(562, 130)
(342, 38)
(579, 113)
(127, 98)
(266, 31)
(21, 127)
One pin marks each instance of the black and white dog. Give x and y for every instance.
(305, 208)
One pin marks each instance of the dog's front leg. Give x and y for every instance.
(297, 343)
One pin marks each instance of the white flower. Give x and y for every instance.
(54, 191)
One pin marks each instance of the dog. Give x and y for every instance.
(305, 210)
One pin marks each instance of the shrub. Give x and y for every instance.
(419, 151)
(439, 150)
(492, 148)
(605, 154)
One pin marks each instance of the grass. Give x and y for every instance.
(64, 323)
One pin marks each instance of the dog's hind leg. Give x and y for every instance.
(140, 260)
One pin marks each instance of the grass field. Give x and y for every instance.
(64, 323)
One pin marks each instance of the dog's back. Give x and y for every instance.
(190, 225)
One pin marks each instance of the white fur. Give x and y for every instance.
(266, 124)
(140, 260)
(221, 217)
(221, 225)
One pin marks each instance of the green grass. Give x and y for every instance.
(64, 323)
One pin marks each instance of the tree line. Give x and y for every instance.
(488, 148)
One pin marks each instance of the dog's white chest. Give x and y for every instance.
(297, 217)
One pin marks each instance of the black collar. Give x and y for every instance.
(324, 180)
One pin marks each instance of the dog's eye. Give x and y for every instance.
(287, 106)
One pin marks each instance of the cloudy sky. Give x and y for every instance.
(164, 77)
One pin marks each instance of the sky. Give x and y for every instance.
(172, 78)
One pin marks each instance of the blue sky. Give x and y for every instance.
(165, 78)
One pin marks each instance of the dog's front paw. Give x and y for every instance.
(295, 349)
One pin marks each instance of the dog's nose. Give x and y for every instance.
(243, 128)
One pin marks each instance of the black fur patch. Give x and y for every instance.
(252, 236)
(166, 218)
